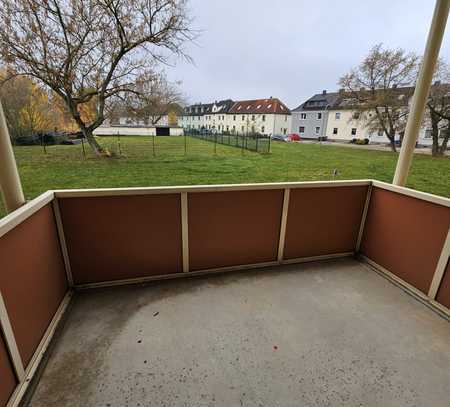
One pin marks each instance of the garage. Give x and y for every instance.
(163, 131)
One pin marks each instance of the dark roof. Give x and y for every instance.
(200, 109)
(348, 100)
(320, 101)
(267, 106)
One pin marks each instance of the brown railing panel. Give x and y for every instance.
(443, 294)
(32, 279)
(8, 380)
(233, 228)
(405, 235)
(324, 221)
(122, 237)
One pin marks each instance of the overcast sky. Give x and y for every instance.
(291, 49)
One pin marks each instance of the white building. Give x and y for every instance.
(264, 116)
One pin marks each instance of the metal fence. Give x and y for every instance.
(253, 142)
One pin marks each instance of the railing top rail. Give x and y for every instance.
(72, 193)
(424, 196)
(15, 218)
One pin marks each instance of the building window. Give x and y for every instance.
(335, 131)
(234, 128)
(234, 117)
(356, 115)
(353, 132)
(337, 116)
(262, 129)
(303, 116)
(253, 117)
(301, 129)
(285, 118)
(243, 129)
(284, 131)
(317, 130)
(243, 118)
(263, 117)
(319, 116)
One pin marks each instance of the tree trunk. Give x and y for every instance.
(391, 138)
(435, 133)
(443, 148)
(97, 148)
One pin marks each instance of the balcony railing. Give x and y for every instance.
(80, 239)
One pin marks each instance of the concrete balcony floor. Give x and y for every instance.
(321, 334)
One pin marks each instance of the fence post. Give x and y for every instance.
(119, 145)
(270, 143)
(82, 146)
(185, 144)
(257, 138)
(153, 145)
(215, 144)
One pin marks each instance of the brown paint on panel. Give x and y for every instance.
(8, 380)
(233, 228)
(122, 237)
(32, 279)
(405, 235)
(323, 220)
(443, 294)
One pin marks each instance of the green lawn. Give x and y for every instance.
(65, 166)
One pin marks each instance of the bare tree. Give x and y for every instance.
(155, 99)
(88, 50)
(438, 109)
(377, 86)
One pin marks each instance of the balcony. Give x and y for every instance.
(314, 294)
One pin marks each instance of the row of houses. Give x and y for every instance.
(264, 116)
(326, 115)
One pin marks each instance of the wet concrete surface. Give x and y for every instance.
(322, 334)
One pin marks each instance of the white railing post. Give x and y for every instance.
(284, 218)
(422, 90)
(9, 176)
(440, 268)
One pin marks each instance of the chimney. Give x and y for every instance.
(324, 92)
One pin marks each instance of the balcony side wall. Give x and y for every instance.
(8, 379)
(32, 279)
(405, 235)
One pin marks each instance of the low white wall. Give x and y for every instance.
(134, 131)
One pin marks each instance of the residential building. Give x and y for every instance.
(334, 116)
(264, 116)
(309, 120)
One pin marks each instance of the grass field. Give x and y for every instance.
(66, 167)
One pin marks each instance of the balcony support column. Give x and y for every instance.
(422, 90)
(10, 184)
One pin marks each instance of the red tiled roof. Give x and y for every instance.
(265, 106)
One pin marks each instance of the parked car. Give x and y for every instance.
(280, 137)
(294, 137)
